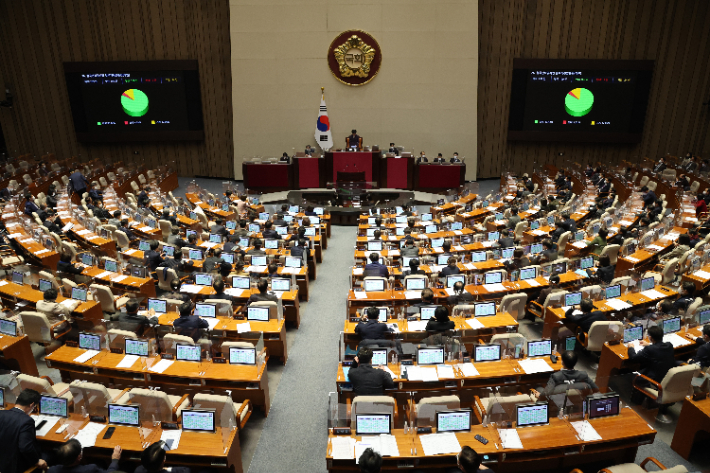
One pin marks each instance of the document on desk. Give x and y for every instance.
(87, 436)
(83, 232)
(127, 361)
(653, 294)
(171, 438)
(586, 431)
(509, 438)
(416, 325)
(626, 223)
(3, 282)
(536, 365)
(702, 274)
(234, 292)
(475, 324)
(412, 294)
(458, 247)
(655, 247)
(437, 250)
(617, 304)
(385, 445)
(436, 268)
(70, 304)
(130, 252)
(342, 448)
(212, 321)
(632, 259)
(256, 269)
(538, 232)
(360, 295)
(487, 244)
(470, 266)
(393, 253)
(67, 227)
(161, 366)
(676, 340)
(636, 345)
(439, 444)
(579, 244)
(468, 369)
(119, 278)
(104, 274)
(190, 288)
(51, 422)
(445, 372)
(389, 371)
(450, 291)
(243, 327)
(494, 287)
(86, 356)
(532, 282)
(358, 271)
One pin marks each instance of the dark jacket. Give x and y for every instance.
(434, 325)
(78, 182)
(190, 325)
(372, 330)
(376, 269)
(586, 319)
(655, 360)
(210, 263)
(68, 268)
(84, 468)
(368, 381)
(262, 298)
(565, 376)
(218, 230)
(449, 270)
(606, 274)
(129, 234)
(153, 259)
(506, 242)
(133, 322)
(271, 234)
(19, 441)
(463, 298)
(703, 354)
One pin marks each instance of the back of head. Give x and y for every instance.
(50, 294)
(469, 460)
(27, 397)
(569, 359)
(374, 257)
(427, 294)
(132, 307)
(555, 279)
(68, 453)
(364, 355)
(262, 285)
(373, 313)
(218, 285)
(458, 287)
(655, 333)
(586, 305)
(604, 261)
(175, 285)
(442, 314)
(186, 308)
(153, 457)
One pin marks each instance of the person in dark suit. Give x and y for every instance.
(20, 449)
(687, 289)
(567, 375)
(177, 263)
(648, 197)
(78, 181)
(70, 454)
(153, 461)
(143, 197)
(269, 233)
(548, 253)
(439, 159)
(369, 327)
(514, 218)
(218, 228)
(218, 286)
(605, 270)
(309, 151)
(263, 295)
(422, 158)
(702, 357)
(310, 212)
(455, 159)
(427, 298)
(460, 296)
(366, 380)
(353, 141)
(30, 205)
(440, 322)
(300, 248)
(414, 268)
(124, 228)
(65, 265)
(450, 268)
(189, 325)
(661, 166)
(584, 320)
(285, 158)
(605, 186)
(393, 149)
(505, 240)
(409, 248)
(169, 217)
(656, 357)
(212, 261)
(375, 268)
(519, 260)
(132, 321)
(256, 251)
(152, 257)
(53, 222)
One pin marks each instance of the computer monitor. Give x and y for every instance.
(88, 259)
(427, 217)
(430, 356)
(195, 254)
(648, 283)
(603, 405)
(227, 257)
(431, 229)
(270, 244)
(374, 246)
(124, 414)
(372, 285)
(136, 347)
(586, 262)
(44, 284)
(559, 268)
(551, 221)
(573, 298)
(498, 217)
(539, 348)
(111, 265)
(311, 231)
(244, 242)
(215, 238)
(532, 414)
(280, 284)
(478, 256)
(671, 325)
(241, 282)
(18, 277)
(494, 278)
(254, 228)
(482, 353)
(507, 253)
(318, 210)
(535, 248)
(372, 221)
(263, 215)
(258, 260)
(202, 279)
(143, 245)
(280, 229)
(373, 424)
(443, 259)
(456, 225)
(484, 309)
(570, 343)
(242, 356)
(193, 215)
(160, 306)
(437, 242)
(231, 225)
(633, 333)
(613, 291)
(383, 314)
(53, 406)
(205, 310)
(293, 209)
(293, 262)
(427, 312)
(379, 357)
(8, 327)
(528, 273)
(453, 421)
(452, 279)
(493, 236)
(534, 225)
(138, 271)
(78, 293)
(190, 232)
(414, 284)
(258, 314)
(185, 352)
(399, 231)
(704, 317)
(579, 236)
(89, 341)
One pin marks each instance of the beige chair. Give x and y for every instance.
(171, 340)
(166, 227)
(95, 397)
(122, 240)
(151, 174)
(45, 385)
(136, 188)
(623, 280)
(38, 329)
(427, 407)
(652, 185)
(156, 404)
(109, 302)
(591, 292)
(669, 174)
(497, 405)
(694, 187)
(562, 242)
(599, 333)
(675, 386)
(50, 277)
(142, 179)
(693, 309)
(612, 251)
(117, 337)
(372, 405)
(373, 278)
(103, 182)
(643, 181)
(111, 176)
(275, 308)
(165, 277)
(667, 273)
(514, 304)
(520, 227)
(238, 411)
(27, 178)
(634, 468)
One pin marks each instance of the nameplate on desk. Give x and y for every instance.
(424, 430)
(169, 425)
(218, 360)
(99, 419)
(412, 319)
(72, 344)
(166, 356)
(341, 431)
(354, 319)
(408, 362)
(614, 342)
(118, 351)
(238, 317)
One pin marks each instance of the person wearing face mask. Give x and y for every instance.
(422, 158)
(455, 159)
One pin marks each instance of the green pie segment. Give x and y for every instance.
(579, 102)
(134, 102)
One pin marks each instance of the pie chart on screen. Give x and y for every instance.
(134, 102)
(579, 102)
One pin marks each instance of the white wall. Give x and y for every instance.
(423, 98)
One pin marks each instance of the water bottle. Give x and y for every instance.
(406, 427)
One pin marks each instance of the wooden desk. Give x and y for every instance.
(552, 447)
(128, 284)
(644, 257)
(694, 419)
(182, 377)
(89, 311)
(217, 212)
(16, 354)
(32, 251)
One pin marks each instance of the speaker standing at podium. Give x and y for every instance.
(354, 141)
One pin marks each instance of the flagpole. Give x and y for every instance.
(322, 91)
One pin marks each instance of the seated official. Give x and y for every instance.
(169, 217)
(414, 268)
(605, 270)
(189, 325)
(300, 249)
(446, 247)
(656, 357)
(192, 242)
(440, 322)
(285, 158)
(375, 268)
(218, 286)
(272, 271)
(681, 248)
(687, 289)
(116, 220)
(505, 240)
(422, 158)
(514, 218)
(439, 159)
(213, 260)
(584, 320)
(548, 253)
(132, 321)
(175, 293)
(455, 159)
(70, 454)
(451, 268)
(369, 327)
(468, 461)
(153, 461)
(152, 257)
(518, 261)
(370, 461)
(124, 228)
(354, 141)
(262, 285)
(30, 205)
(54, 311)
(218, 228)
(20, 451)
(231, 244)
(702, 357)
(567, 375)
(460, 296)
(409, 249)
(393, 149)
(256, 250)
(366, 380)
(269, 233)
(177, 263)
(65, 265)
(310, 212)
(242, 229)
(309, 151)
(427, 297)
(598, 242)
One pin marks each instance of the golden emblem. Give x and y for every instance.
(354, 57)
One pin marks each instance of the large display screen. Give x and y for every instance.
(135, 101)
(579, 100)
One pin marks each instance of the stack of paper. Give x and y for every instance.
(494, 287)
(416, 325)
(445, 372)
(87, 435)
(676, 340)
(586, 431)
(436, 268)
(358, 271)
(439, 444)
(190, 288)
(534, 365)
(468, 369)
(130, 252)
(161, 366)
(234, 292)
(41, 252)
(342, 448)
(654, 247)
(70, 303)
(653, 294)
(83, 232)
(579, 244)
(632, 259)
(475, 324)
(393, 253)
(127, 361)
(51, 422)
(470, 266)
(509, 438)
(617, 304)
(412, 294)
(105, 274)
(3, 282)
(458, 232)
(171, 438)
(360, 295)
(458, 248)
(385, 445)
(256, 269)
(212, 321)
(487, 244)
(86, 356)
(532, 282)
(702, 274)
(243, 327)
(119, 278)
(418, 373)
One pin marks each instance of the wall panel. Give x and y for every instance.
(671, 32)
(37, 36)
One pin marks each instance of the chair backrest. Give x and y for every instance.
(105, 296)
(591, 291)
(677, 383)
(693, 308)
(151, 174)
(653, 184)
(371, 405)
(427, 407)
(555, 295)
(598, 334)
(117, 337)
(122, 239)
(612, 251)
(165, 277)
(103, 182)
(498, 405)
(227, 345)
(153, 403)
(520, 228)
(694, 187)
(514, 304)
(508, 338)
(668, 272)
(214, 401)
(111, 176)
(36, 326)
(562, 242)
(643, 181)
(170, 340)
(165, 227)
(94, 396)
(274, 308)
(135, 187)
(50, 277)
(142, 179)
(40, 385)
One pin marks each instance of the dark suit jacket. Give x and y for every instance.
(377, 269)
(190, 325)
(68, 268)
(153, 258)
(271, 235)
(703, 354)
(262, 298)
(449, 270)
(218, 230)
(586, 319)
(606, 274)
(133, 322)
(371, 330)
(79, 182)
(463, 298)
(655, 360)
(129, 234)
(19, 441)
(84, 468)
(648, 198)
(439, 160)
(506, 242)
(368, 381)
(422, 159)
(434, 325)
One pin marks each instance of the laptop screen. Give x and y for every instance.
(483, 353)
(426, 217)
(415, 284)
(206, 310)
(379, 357)
(203, 279)
(260, 314)
(528, 273)
(374, 285)
(704, 317)
(186, 352)
(437, 242)
(78, 293)
(671, 325)
(374, 246)
(293, 262)
(215, 238)
(258, 260)
(143, 245)
(227, 257)
(532, 414)
(427, 312)
(122, 414)
(44, 284)
(373, 424)
(453, 421)
(633, 333)
(89, 341)
(613, 291)
(311, 231)
(535, 248)
(8, 327)
(454, 278)
(17, 277)
(478, 256)
(281, 284)
(430, 229)
(648, 283)
(271, 244)
(231, 225)
(195, 254)
(507, 253)
(430, 356)
(494, 278)
(241, 282)
(158, 305)
(540, 348)
(493, 236)
(53, 406)
(586, 263)
(573, 298)
(136, 347)
(242, 356)
(603, 406)
(483, 309)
